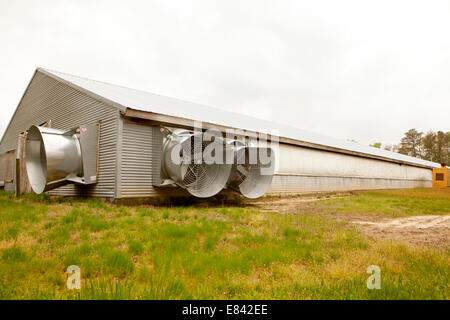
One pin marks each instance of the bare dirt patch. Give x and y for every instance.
(420, 230)
(419, 222)
(433, 230)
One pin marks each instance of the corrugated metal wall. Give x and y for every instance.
(299, 170)
(7, 166)
(8, 170)
(303, 184)
(48, 99)
(302, 170)
(137, 158)
(136, 162)
(298, 160)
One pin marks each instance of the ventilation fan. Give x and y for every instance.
(251, 175)
(55, 157)
(183, 162)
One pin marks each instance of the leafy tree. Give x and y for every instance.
(390, 147)
(436, 146)
(447, 151)
(376, 145)
(433, 146)
(442, 153)
(429, 146)
(411, 143)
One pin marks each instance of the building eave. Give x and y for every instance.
(160, 119)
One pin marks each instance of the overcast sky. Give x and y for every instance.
(363, 70)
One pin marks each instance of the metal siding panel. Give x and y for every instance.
(301, 170)
(47, 99)
(294, 160)
(157, 142)
(136, 164)
(139, 152)
(305, 184)
(118, 181)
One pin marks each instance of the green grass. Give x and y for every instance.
(214, 253)
(393, 202)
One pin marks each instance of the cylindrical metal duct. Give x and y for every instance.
(183, 162)
(53, 158)
(250, 175)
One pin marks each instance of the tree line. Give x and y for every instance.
(433, 145)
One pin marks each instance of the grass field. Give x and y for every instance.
(233, 252)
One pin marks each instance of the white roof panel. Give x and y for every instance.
(124, 98)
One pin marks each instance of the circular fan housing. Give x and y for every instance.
(252, 180)
(183, 162)
(51, 158)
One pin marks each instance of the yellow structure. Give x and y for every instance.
(441, 177)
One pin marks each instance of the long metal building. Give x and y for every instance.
(129, 153)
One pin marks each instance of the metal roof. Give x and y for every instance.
(124, 98)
